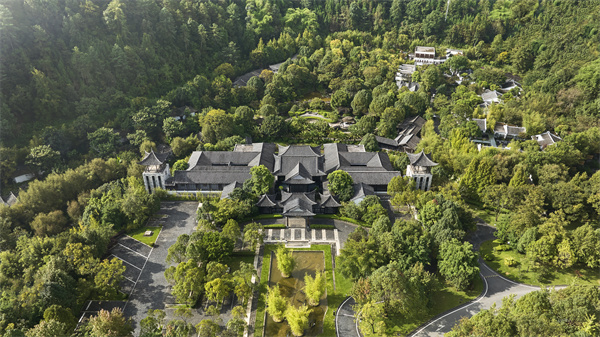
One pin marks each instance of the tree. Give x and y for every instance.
(297, 319)
(212, 246)
(188, 280)
(340, 99)
(231, 230)
(109, 324)
(370, 314)
(314, 288)
(103, 141)
(253, 234)
(370, 142)
(109, 273)
(458, 263)
(267, 110)
(273, 127)
(360, 102)
(48, 224)
(216, 125)
(172, 127)
(181, 165)
(208, 328)
(152, 325)
(217, 289)
(43, 158)
(340, 184)
(276, 304)
(48, 328)
(285, 261)
(359, 258)
(261, 180)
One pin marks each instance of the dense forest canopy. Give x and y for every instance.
(89, 86)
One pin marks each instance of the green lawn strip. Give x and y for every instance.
(443, 300)
(261, 217)
(138, 234)
(319, 226)
(337, 217)
(275, 226)
(334, 298)
(524, 272)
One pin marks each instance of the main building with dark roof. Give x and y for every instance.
(300, 171)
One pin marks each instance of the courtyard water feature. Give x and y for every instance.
(307, 263)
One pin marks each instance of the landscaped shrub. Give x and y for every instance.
(321, 226)
(502, 248)
(510, 261)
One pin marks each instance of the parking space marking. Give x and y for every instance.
(128, 279)
(134, 266)
(122, 245)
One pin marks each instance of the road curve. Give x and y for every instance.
(344, 319)
(496, 288)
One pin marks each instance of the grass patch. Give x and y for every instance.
(334, 297)
(275, 226)
(318, 226)
(261, 217)
(138, 234)
(443, 300)
(234, 261)
(342, 218)
(525, 272)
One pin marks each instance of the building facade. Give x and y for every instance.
(420, 170)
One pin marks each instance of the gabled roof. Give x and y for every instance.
(308, 197)
(211, 175)
(299, 175)
(546, 138)
(491, 96)
(299, 150)
(229, 188)
(328, 200)
(266, 201)
(153, 159)
(362, 190)
(10, 200)
(421, 159)
(386, 141)
(481, 123)
(380, 160)
(289, 157)
(297, 208)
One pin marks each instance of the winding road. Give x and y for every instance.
(496, 288)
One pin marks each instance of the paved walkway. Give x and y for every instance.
(344, 319)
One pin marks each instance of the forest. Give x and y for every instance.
(88, 86)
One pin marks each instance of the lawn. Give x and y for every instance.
(443, 300)
(334, 297)
(138, 234)
(524, 272)
(260, 217)
(487, 214)
(338, 217)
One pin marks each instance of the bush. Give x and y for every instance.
(502, 248)
(275, 226)
(488, 257)
(510, 261)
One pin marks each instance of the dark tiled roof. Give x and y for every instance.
(386, 141)
(410, 126)
(221, 158)
(229, 188)
(266, 201)
(10, 200)
(362, 190)
(328, 200)
(421, 159)
(289, 157)
(308, 197)
(241, 81)
(211, 175)
(153, 159)
(297, 207)
(298, 175)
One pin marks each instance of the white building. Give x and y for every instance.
(420, 170)
(157, 170)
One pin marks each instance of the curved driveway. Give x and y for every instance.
(496, 288)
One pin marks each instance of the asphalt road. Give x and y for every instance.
(496, 288)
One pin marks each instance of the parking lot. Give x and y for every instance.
(134, 256)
